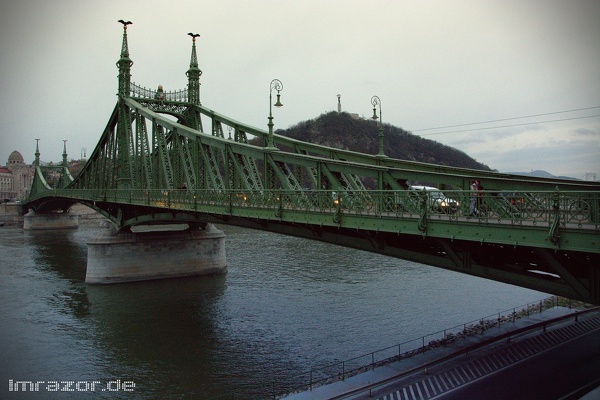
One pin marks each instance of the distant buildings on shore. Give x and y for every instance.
(15, 178)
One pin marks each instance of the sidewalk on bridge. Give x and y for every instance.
(418, 361)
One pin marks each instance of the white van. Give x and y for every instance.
(437, 200)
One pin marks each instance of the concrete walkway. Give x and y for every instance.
(593, 395)
(347, 389)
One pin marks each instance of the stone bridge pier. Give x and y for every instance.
(127, 256)
(62, 220)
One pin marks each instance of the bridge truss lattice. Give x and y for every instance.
(163, 157)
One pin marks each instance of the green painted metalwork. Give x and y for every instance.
(385, 211)
(193, 75)
(148, 169)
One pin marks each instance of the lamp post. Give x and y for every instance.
(375, 101)
(277, 85)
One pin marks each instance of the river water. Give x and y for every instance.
(284, 306)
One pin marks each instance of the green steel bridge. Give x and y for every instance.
(164, 158)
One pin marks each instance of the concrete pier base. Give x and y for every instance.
(136, 256)
(33, 221)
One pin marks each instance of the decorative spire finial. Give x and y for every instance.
(193, 74)
(37, 152)
(194, 59)
(124, 64)
(64, 153)
(124, 48)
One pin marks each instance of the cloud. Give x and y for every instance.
(558, 150)
(587, 132)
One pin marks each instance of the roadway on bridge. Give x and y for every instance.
(561, 363)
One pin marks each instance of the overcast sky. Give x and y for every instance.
(447, 64)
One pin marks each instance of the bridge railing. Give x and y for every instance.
(576, 209)
(152, 94)
(341, 370)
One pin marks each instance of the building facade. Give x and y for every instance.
(6, 184)
(15, 178)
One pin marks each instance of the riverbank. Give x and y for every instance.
(350, 380)
(9, 214)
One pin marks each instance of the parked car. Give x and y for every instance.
(437, 200)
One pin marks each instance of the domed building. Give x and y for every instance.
(15, 158)
(15, 178)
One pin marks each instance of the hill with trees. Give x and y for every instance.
(350, 132)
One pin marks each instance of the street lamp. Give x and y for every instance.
(277, 85)
(375, 101)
